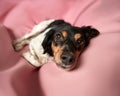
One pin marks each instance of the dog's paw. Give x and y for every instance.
(18, 44)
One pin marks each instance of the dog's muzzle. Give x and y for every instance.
(68, 60)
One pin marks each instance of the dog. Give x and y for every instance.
(55, 40)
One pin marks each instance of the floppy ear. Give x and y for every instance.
(47, 42)
(90, 32)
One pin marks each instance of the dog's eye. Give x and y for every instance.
(58, 36)
(79, 41)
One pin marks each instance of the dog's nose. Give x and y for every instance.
(67, 58)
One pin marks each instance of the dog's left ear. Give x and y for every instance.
(90, 32)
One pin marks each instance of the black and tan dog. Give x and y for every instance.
(55, 40)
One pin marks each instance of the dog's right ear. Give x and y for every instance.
(90, 32)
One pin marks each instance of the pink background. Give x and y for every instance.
(98, 72)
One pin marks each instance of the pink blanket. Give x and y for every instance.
(98, 73)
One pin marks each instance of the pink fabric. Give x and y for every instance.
(98, 73)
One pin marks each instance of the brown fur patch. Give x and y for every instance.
(65, 34)
(77, 36)
(57, 52)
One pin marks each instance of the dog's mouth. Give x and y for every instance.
(67, 67)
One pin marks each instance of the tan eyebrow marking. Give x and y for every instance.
(77, 36)
(65, 34)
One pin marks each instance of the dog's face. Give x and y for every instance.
(65, 42)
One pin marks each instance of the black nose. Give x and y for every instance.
(67, 58)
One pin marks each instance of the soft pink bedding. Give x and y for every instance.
(98, 73)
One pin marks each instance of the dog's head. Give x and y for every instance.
(65, 42)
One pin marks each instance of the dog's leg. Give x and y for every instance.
(20, 43)
(31, 59)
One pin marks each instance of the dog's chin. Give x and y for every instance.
(66, 67)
